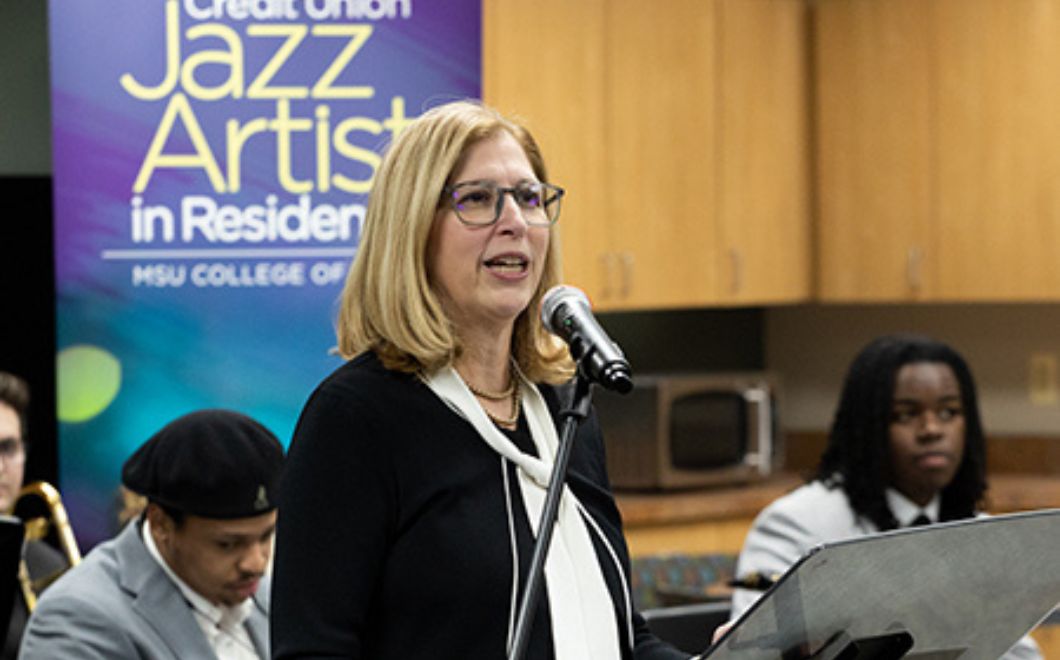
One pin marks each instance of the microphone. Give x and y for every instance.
(566, 313)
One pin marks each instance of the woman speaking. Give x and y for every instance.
(418, 469)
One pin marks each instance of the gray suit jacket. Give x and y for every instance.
(119, 604)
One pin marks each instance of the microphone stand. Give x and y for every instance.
(572, 416)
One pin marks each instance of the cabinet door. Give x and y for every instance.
(999, 149)
(764, 155)
(543, 63)
(661, 175)
(873, 131)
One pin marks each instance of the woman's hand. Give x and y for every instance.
(719, 631)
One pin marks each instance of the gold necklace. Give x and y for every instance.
(510, 421)
(494, 396)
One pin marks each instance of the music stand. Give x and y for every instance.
(968, 589)
(11, 533)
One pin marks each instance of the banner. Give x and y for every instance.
(212, 160)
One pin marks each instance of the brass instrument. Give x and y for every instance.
(38, 527)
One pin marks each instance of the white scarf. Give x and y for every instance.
(582, 613)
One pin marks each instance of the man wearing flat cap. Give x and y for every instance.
(185, 579)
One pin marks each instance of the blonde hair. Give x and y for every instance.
(388, 304)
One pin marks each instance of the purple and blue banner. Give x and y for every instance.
(212, 160)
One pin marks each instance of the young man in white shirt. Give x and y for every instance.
(906, 448)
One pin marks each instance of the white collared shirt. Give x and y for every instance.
(222, 625)
(906, 511)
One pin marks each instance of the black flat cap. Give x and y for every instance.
(209, 463)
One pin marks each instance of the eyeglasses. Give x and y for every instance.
(12, 451)
(479, 203)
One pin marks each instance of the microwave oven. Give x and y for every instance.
(690, 430)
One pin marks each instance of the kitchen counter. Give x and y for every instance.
(702, 521)
(645, 509)
(1022, 492)
(715, 520)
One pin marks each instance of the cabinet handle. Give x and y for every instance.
(627, 274)
(607, 260)
(736, 263)
(914, 268)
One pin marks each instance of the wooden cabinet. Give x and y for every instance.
(683, 144)
(874, 153)
(998, 141)
(543, 62)
(680, 129)
(938, 150)
(661, 154)
(764, 152)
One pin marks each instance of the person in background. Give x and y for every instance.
(906, 448)
(185, 579)
(417, 469)
(42, 560)
(129, 505)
